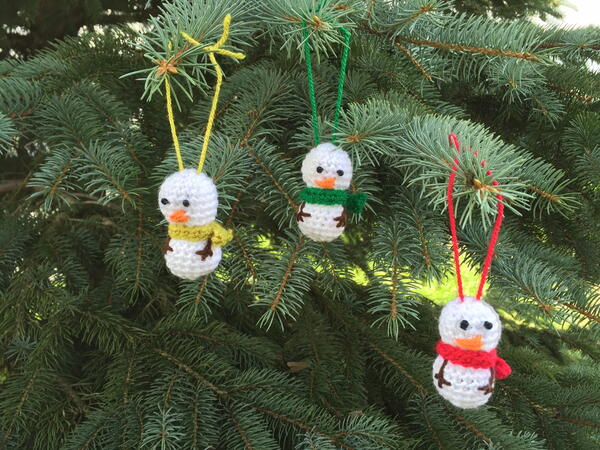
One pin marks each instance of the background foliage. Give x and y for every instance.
(293, 344)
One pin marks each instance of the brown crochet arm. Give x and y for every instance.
(206, 251)
(166, 246)
(341, 220)
(489, 388)
(301, 214)
(440, 375)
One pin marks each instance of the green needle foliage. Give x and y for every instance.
(293, 344)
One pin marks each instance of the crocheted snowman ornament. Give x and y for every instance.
(327, 172)
(467, 365)
(189, 202)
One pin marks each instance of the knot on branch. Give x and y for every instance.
(319, 24)
(165, 67)
(355, 138)
(480, 186)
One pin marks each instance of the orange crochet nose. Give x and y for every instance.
(326, 183)
(179, 216)
(474, 343)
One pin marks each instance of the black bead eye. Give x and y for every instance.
(464, 324)
(164, 201)
(340, 173)
(186, 203)
(319, 169)
(487, 325)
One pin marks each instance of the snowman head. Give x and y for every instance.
(188, 198)
(328, 167)
(470, 324)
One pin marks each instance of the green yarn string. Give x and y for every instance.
(311, 85)
(344, 63)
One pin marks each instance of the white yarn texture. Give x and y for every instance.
(321, 225)
(191, 196)
(465, 382)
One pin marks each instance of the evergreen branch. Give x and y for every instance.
(587, 100)
(189, 370)
(202, 288)
(274, 180)
(287, 273)
(416, 63)
(303, 426)
(579, 422)
(583, 312)
(399, 368)
(90, 440)
(423, 9)
(432, 430)
(561, 45)
(22, 400)
(469, 425)
(398, 40)
(238, 427)
(21, 115)
(546, 195)
(68, 389)
(245, 255)
(467, 48)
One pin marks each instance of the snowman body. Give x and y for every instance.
(325, 167)
(323, 224)
(471, 329)
(189, 200)
(184, 262)
(466, 384)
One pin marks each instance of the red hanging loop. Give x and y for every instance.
(454, 141)
(495, 231)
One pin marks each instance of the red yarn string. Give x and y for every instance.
(454, 141)
(495, 231)
(493, 238)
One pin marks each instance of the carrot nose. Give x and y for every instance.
(179, 216)
(474, 343)
(326, 183)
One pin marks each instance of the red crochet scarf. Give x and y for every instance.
(475, 359)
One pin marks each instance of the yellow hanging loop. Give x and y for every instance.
(212, 49)
(172, 122)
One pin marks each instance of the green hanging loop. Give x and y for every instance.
(311, 83)
(343, 64)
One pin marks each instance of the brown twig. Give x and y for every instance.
(287, 274)
(583, 312)
(546, 195)
(416, 63)
(468, 48)
(572, 93)
(424, 9)
(581, 46)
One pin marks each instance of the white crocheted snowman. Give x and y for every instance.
(189, 202)
(327, 172)
(467, 365)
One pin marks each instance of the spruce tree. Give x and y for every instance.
(295, 344)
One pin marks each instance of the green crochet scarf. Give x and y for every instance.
(354, 202)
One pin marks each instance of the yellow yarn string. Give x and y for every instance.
(172, 122)
(213, 111)
(212, 49)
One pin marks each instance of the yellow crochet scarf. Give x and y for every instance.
(214, 231)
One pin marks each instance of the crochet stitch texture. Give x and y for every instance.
(475, 359)
(467, 366)
(354, 202)
(327, 172)
(214, 231)
(189, 201)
